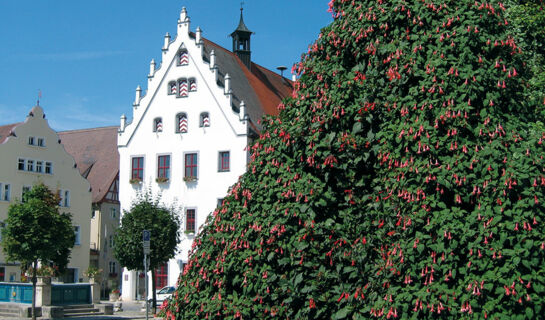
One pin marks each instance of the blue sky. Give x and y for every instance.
(87, 57)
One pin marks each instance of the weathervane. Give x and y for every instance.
(39, 97)
(241, 6)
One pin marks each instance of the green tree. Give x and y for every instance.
(147, 213)
(36, 232)
(528, 25)
(403, 178)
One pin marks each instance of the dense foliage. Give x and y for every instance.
(35, 232)
(403, 178)
(147, 213)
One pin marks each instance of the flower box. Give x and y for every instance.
(161, 180)
(190, 178)
(135, 181)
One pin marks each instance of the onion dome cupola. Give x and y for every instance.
(241, 42)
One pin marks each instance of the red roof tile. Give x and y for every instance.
(261, 89)
(95, 152)
(6, 130)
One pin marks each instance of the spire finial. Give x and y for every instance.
(39, 97)
(241, 6)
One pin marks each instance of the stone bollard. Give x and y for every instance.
(105, 308)
(95, 291)
(43, 291)
(52, 312)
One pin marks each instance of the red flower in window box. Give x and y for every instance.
(161, 180)
(113, 274)
(135, 181)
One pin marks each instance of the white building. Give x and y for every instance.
(188, 135)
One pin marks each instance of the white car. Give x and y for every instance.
(163, 294)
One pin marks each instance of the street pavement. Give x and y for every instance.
(130, 310)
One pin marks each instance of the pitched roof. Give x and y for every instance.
(261, 89)
(95, 152)
(6, 130)
(241, 25)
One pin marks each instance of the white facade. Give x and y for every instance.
(143, 137)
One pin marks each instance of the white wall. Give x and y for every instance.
(226, 133)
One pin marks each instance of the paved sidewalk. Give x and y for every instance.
(130, 310)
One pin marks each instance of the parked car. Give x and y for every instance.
(162, 295)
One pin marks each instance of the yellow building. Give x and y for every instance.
(95, 152)
(30, 153)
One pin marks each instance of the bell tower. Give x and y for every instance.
(241, 42)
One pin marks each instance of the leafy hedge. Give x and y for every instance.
(403, 178)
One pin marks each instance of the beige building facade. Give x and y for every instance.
(31, 153)
(97, 158)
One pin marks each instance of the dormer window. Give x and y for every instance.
(204, 120)
(192, 84)
(183, 58)
(181, 123)
(158, 125)
(172, 88)
(182, 84)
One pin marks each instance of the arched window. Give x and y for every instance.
(158, 125)
(183, 58)
(172, 87)
(182, 85)
(204, 120)
(192, 84)
(181, 123)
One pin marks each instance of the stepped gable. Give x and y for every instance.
(260, 89)
(6, 130)
(95, 152)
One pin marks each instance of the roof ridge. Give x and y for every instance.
(87, 129)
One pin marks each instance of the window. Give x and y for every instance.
(31, 141)
(41, 142)
(4, 192)
(48, 168)
(183, 58)
(223, 161)
(24, 191)
(204, 120)
(70, 276)
(113, 192)
(181, 123)
(137, 168)
(30, 165)
(39, 166)
(21, 165)
(191, 165)
(113, 267)
(161, 276)
(220, 202)
(190, 220)
(192, 84)
(2, 274)
(172, 88)
(158, 125)
(182, 84)
(163, 167)
(77, 232)
(66, 198)
(111, 241)
(113, 213)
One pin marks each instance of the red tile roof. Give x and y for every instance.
(95, 152)
(6, 130)
(261, 89)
